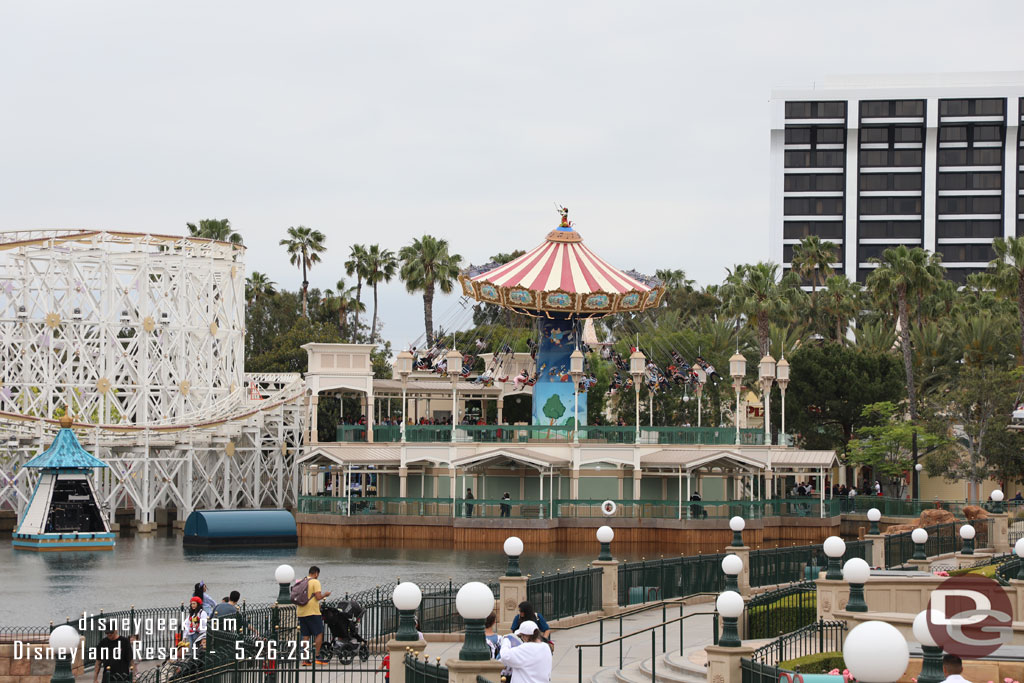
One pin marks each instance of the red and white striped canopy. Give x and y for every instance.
(562, 275)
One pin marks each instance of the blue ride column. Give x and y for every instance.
(553, 392)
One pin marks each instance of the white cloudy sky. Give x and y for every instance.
(378, 121)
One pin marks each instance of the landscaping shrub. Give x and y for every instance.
(815, 664)
(768, 621)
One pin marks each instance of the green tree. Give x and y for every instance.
(286, 354)
(830, 385)
(214, 229)
(356, 265)
(901, 274)
(1007, 276)
(886, 444)
(554, 408)
(757, 293)
(381, 266)
(344, 299)
(304, 247)
(427, 265)
(840, 300)
(257, 286)
(813, 259)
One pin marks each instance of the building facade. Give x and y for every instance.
(872, 162)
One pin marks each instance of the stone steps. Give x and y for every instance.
(669, 668)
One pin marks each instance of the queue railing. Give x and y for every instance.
(565, 594)
(674, 577)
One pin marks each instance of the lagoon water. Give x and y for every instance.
(154, 570)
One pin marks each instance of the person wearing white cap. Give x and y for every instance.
(531, 661)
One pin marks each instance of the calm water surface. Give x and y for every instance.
(150, 571)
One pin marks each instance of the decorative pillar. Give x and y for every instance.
(403, 482)
(370, 417)
(314, 402)
(724, 663)
(501, 409)
(637, 474)
(1000, 533)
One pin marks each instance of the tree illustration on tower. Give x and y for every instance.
(554, 408)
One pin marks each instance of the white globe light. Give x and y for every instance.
(284, 574)
(918, 467)
(729, 604)
(686, 398)
(919, 536)
(474, 601)
(605, 534)
(856, 570)
(737, 523)
(407, 596)
(921, 632)
(874, 514)
(732, 564)
(876, 652)
(513, 546)
(1018, 547)
(834, 546)
(967, 532)
(997, 495)
(64, 638)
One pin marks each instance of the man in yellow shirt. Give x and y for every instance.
(311, 624)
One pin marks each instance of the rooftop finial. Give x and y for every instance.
(566, 223)
(65, 422)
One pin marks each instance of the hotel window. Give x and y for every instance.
(960, 229)
(966, 252)
(810, 182)
(892, 230)
(798, 136)
(797, 230)
(813, 206)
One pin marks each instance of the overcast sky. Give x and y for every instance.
(380, 121)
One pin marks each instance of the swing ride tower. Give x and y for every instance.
(561, 282)
(139, 340)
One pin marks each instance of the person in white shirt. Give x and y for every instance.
(531, 661)
(952, 666)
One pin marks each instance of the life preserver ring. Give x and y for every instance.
(609, 507)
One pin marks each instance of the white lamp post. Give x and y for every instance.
(513, 549)
(64, 641)
(605, 534)
(835, 548)
(856, 572)
(919, 537)
(1018, 548)
(702, 378)
(406, 597)
(967, 533)
(737, 524)
(766, 373)
(874, 514)
(637, 365)
(931, 666)
(876, 652)
(403, 364)
(997, 498)
(732, 565)
(474, 602)
(454, 364)
(284, 575)
(782, 377)
(737, 370)
(730, 605)
(576, 371)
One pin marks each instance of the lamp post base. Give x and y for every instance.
(474, 648)
(931, 665)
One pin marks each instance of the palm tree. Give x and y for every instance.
(813, 259)
(381, 266)
(757, 293)
(876, 337)
(258, 285)
(426, 264)
(1007, 276)
(347, 303)
(215, 229)
(900, 274)
(841, 301)
(356, 265)
(304, 248)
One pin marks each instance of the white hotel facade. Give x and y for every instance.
(871, 162)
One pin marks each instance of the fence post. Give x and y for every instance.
(609, 585)
(724, 663)
(511, 592)
(1000, 533)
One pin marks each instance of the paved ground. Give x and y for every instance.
(697, 632)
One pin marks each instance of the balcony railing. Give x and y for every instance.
(717, 436)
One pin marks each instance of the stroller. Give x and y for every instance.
(345, 642)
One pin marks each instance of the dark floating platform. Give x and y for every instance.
(240, 528)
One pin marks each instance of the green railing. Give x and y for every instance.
(423, 671)
(942, 539)
(565, 594)
(774, 566)
(673, 577)
(781, 611)
(720, 436)
(814, 638)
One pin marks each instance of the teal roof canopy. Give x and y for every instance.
(65, 453)
(253, 523)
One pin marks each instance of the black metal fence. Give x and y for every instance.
(756, 672)
(673, 577)
(814, 638)
(781, 611)
(942, 539)
(775, 566)
(565, 594)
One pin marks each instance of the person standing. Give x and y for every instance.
(953, 667)
(194, 629)
(225, 615)
(526, 613)
(202, 592)
(469, 506)
(506, 507)
(531, 661)
(114, 658)
(311, 623)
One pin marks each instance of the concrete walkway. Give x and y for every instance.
(697, 632)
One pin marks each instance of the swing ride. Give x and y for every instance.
(560, 283)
